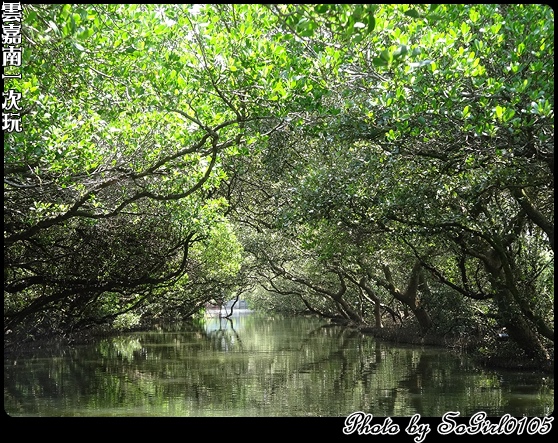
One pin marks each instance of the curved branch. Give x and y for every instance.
(535, 215)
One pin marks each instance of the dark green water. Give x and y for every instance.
(261, 365)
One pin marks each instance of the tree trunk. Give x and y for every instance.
(502, 280)
(410, 297)
(518, 328)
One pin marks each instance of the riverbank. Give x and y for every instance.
(486, 353)
(15, 345)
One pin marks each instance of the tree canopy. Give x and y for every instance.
(367, 163)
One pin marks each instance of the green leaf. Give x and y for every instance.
(65, 12)
(509, 114)
(53, 26)
(400, 51)
(371, 22)
(421, 63)
(85, 34)
(499, 112)
(181, 82)
(385, 55)
(412, 13)
(76, 19)
(377, 61)
(307, 32)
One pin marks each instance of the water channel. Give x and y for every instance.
(257, 365)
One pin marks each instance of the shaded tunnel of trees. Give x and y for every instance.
(377, 165)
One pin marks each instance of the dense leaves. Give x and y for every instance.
(374, 164)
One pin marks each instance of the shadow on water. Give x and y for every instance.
(260, 365)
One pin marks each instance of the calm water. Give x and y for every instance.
(258, 365)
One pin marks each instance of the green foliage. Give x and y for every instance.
(221, 253)
(430, 126)
(166, 146)
(126, 321)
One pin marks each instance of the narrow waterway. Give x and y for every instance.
(261, 365)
